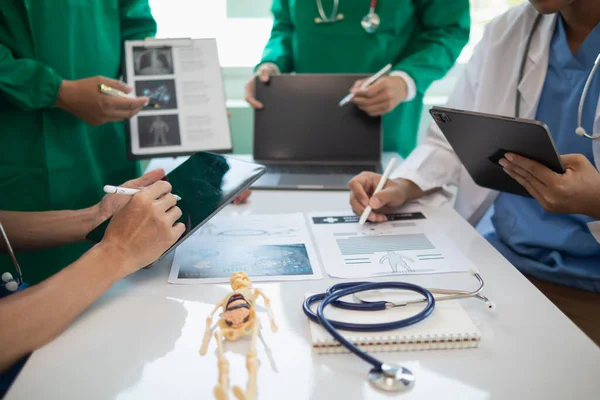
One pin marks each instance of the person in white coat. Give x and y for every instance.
(553, 237)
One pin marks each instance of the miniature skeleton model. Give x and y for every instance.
(237, 320)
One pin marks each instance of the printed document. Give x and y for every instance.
(266, 247)
(408, 243)
(186, 113)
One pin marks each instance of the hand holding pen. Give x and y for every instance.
(378, 94)
(110, 203)
(84, 99)
(109, 189)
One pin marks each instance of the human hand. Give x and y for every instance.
(264, 73)
(144, 228)
(111, 203)
(381, 97)
(83, 99)
(393, 195)
(577, 191)
(242, 198)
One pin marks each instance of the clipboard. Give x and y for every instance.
(187, 111)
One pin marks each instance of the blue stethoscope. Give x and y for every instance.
(384, 376)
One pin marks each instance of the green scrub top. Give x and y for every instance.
(49, 159)
(420, 37)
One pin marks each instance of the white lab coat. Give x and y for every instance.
(488, 85)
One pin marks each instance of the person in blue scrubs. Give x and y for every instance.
(555, 248)
(142, 228)
(546, 237)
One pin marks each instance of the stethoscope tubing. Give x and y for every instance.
(344, 289)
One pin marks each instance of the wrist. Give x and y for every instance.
(411, 190)
(410, 86)
(64, 92)
(97, 217)
(89, 219)
(119, 262)
(271, 67)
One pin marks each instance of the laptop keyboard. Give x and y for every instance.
(321, 169)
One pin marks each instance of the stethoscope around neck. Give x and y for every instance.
(580, 131)
(370, 22)
(384, 376)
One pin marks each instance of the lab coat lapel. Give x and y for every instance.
(478, 200)
(530, 87)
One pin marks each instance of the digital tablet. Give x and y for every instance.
(481, 140)
(206, 183)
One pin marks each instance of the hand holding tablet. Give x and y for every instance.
(205, 184)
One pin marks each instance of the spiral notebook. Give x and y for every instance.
(448, 327)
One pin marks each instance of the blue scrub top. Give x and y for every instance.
(557, 248)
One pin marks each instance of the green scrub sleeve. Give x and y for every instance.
(279, 47)
(437, 42)
(27, 83)
(137, 22)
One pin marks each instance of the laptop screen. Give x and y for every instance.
(302, 122)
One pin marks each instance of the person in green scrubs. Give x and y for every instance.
(420, 38)
(60, 139)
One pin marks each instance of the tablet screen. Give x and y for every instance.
(206, 183)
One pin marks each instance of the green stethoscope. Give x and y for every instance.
(370, 22)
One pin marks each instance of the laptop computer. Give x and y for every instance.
(306, 140)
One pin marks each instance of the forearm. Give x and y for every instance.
(413, 192)
(40, 313)
(27, 83)
(279, 47)
(29, 231)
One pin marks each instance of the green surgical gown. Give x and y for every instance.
(49, 159)
(420, 37)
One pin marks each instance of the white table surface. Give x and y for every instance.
(141, 339)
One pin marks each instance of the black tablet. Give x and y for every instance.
(481, 140)
(206, 183)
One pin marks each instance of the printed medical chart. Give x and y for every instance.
(266, 247)
(406, 244)
(186, 113)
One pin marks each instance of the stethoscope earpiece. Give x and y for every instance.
(7, 277)
(10, 283)
(580, 131)
(12, 286)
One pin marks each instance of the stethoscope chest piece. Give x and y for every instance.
(370, 22)
(392, 378)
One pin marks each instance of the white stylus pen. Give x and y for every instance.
(126, 191)
(366, 84)
(380, 185)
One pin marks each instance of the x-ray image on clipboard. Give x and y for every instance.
(186, 112)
